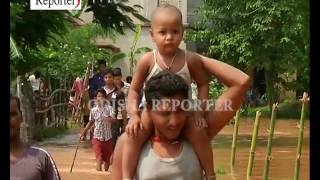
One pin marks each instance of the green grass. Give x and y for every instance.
(220, 170)
(288, 109)
(41, 134)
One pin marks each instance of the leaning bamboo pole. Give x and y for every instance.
(77, 117)
(234, 139)
(253, 144)
(269, 146)
(304, 99)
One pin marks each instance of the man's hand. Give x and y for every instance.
(199, 119)
(134, 125)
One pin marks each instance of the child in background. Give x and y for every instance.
(100, 117)
(86, 111)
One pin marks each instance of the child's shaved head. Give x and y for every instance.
(166, 8)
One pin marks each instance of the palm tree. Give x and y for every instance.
(112, 58)
(14, 52)
(133, 51)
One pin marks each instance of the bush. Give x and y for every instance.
(215, 88)
(41, 134)
(292, 109)
(220, 170)
(287, 109)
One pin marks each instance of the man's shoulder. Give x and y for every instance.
(38, 151)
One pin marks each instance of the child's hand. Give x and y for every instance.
(133, 126)
(108, 118)
(199, 119)
(81, 137)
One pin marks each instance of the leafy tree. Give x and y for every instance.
(31, 30)
(113, 13)
(72, 52)
(269, 35)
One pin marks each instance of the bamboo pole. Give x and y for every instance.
(234, 139)
(60, 121)
(253, 144)
(65, 115)
(269, 146)
(304, 99)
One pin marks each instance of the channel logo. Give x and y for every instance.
(55, 4)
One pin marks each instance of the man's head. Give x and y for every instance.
(15, 117)
(129, 79)
(167, 28)
(37, 74)
(117, 77)
(108, 77)
(102, 65)
(161, 92)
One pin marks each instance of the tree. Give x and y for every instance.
(69, 55)
(37, 40)
(114, 13)
(33, 29)
(269, 35)
(134, 52)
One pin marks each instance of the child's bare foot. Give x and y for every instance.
(98, 166)
(106, 166)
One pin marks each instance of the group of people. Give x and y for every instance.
(164, 138)
(107, 117)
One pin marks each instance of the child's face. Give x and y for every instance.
(108, 79)
(102, 68)
(100, 98)
(166, 31)
(117, 81)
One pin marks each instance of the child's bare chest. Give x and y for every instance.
(173, 65)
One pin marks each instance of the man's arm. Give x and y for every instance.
(230, 101)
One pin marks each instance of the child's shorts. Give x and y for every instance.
(102, 149)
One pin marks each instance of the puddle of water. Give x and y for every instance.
(281, 166)
(283, 150)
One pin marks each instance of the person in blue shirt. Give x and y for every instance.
(97, 81)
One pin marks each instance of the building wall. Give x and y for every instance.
(191, 18)
(192, 6)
